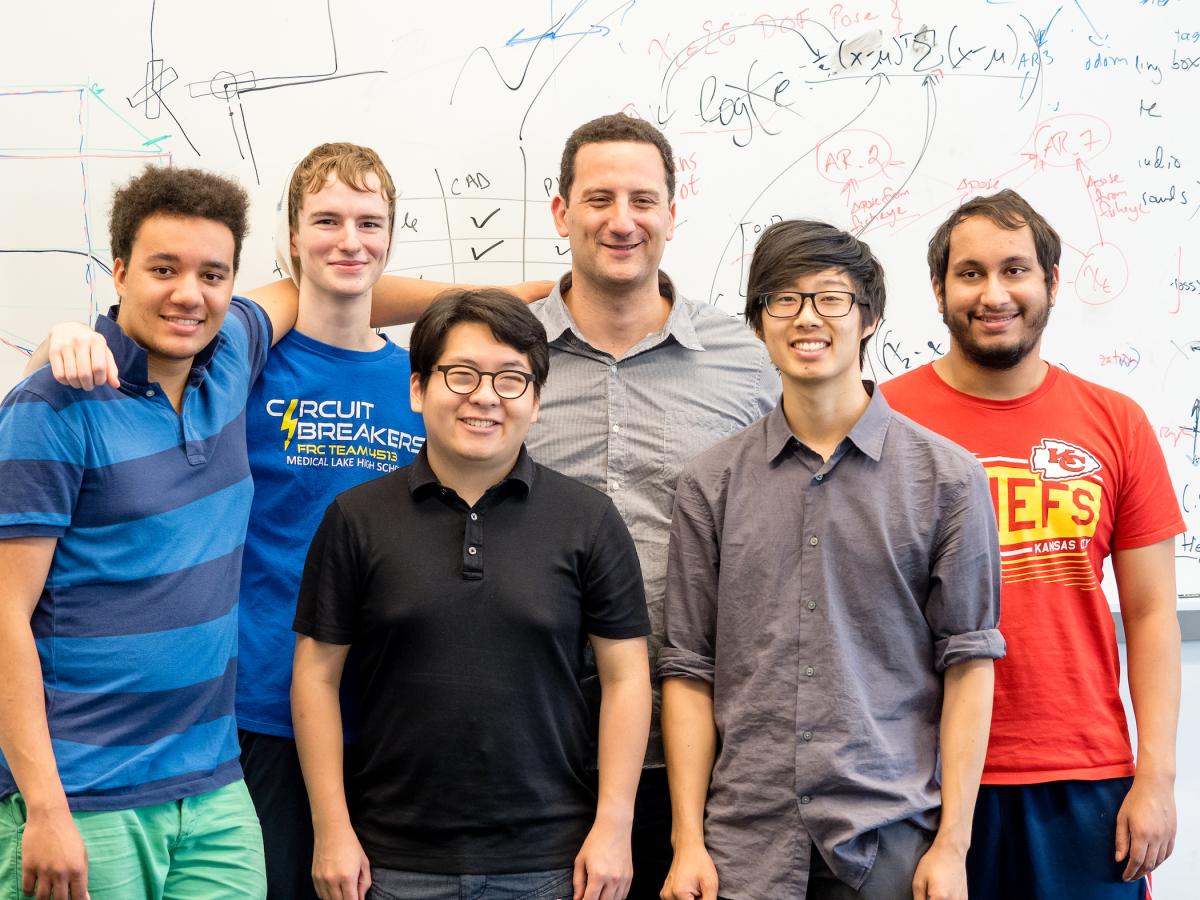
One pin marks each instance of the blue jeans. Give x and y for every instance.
(393, 884)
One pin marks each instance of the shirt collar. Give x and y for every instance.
(422, 481)
(867, 435)
(557, 318)
(133, 361)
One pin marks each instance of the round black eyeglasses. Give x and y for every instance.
(509, 384)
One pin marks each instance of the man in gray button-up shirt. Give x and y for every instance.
(641, 379)
(832, 601)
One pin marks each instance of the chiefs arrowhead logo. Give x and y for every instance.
(1059, 461)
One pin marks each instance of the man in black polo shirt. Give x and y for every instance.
(468, 584)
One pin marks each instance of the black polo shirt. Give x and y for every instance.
(469, 626)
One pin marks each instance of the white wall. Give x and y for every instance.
(1179, 877)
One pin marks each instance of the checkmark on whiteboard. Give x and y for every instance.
(486, 251)
(487, 219)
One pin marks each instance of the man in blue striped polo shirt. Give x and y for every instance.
(121, 527)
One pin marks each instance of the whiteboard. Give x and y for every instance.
(878, 115)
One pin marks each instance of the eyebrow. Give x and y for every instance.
(337, 215)
(175, 258)
(468, 361)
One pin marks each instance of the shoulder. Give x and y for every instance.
(376, 497)
(1090, 395)
(245, 317)
(567, 491)
(40, 390)
(711, 467)
(923, 447)
(908, 384)
(712, 323)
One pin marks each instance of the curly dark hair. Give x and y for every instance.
(509, 320)
(176, 192)
(611, 129)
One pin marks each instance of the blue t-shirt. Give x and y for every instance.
(136, 627)
(321, 420)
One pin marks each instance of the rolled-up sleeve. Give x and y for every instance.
(690, 607)
(963, 609)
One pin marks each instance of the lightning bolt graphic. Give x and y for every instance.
(289, 423)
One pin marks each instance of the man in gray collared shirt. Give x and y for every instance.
(641, 380)
(831, 611)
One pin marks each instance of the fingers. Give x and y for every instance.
(578, 879)
(78, 886)
(1122, 837)
(1138, 849)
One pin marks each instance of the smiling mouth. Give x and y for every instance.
(809, 346)
(182, 320)
(624, 247)
(480, 423)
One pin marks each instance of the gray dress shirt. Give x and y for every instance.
(823, 600)
(626, 426)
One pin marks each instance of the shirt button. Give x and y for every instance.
(474, 517)
(472, 550)
(812, 604)
(806, 799)
(814, 540)
(807, 735)
(820, 478)
(810, 671)
(616, 485)
(616, 429)
(150, 393)
(613, 369)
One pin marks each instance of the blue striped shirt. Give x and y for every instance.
(136, 627)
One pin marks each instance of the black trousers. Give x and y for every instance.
(272, 771)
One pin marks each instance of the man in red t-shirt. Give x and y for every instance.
(1076, 474)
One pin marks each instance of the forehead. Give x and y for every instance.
(619, 164)
(832, 279)
(475, 341)
(335, 193)
(978, 237)
(186, 237)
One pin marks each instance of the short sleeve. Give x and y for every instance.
(690, 607)
(963, 607)
(258, 332)
(1146, 510)
(614, 597)
(330, 587)
(42, 457)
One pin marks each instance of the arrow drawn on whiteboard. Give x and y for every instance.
(930, 123)
(770, 184)
(1195, 430)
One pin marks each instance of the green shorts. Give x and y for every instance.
(208, 846)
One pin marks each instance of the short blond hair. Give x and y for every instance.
(351, 163)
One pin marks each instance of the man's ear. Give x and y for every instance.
(1054, 284)
(416, 393)
(119, 273)
(939, 293)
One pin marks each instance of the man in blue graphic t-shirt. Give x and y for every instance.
(329, 412)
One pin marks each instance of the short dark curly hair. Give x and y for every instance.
(509, 320)
(615, 128)
(167, 191)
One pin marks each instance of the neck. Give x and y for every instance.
(339, 321)
(171, 376)
(821, 416)
(468, 479)
(966, 375)
(615, 321)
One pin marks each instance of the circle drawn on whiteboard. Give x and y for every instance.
(1102, 276)
(1069, 139)
(223, 85)
(854, 155)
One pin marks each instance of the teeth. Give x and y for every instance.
(810, 345)
(182, 321)
(481, 423)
